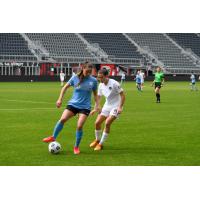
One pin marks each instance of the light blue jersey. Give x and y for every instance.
(81, 98)
(138, 78)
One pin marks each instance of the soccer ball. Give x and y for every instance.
(54, 147)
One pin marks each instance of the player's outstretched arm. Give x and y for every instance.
(62, 92)
(153, 84)
(120, 108)
(97, 107)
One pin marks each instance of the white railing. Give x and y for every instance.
(176, 70)
(17, 58)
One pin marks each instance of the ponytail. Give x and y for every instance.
(80, 73)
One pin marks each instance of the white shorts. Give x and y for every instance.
(109, 112)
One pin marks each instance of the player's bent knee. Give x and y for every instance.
(63, 120)
(107, 124)
(79, 127)
(97, 123)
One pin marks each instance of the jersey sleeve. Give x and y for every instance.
(71, 81)
(95, 86)
(117, 87)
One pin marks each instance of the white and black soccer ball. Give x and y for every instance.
(54, 147)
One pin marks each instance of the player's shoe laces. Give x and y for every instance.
(94, 143)
(49, 139)
(98, 147)
(76, 150)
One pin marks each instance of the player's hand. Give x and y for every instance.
(98, 110)
(92, 112)
(119, 110)
(58, 103)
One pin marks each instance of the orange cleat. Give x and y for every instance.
(49, 139)
(99, 147)
(94, 143)
(76, 150)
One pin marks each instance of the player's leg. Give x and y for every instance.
(66, 115)
(109, 120)
(157, 91)
(195, 87)
(142, 85)
(137, 85)
(191, 86)
(100, 119)
(106, 132)
(79, 131)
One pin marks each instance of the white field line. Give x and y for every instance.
(22, 109)
(27, 101)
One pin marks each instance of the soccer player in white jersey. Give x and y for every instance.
(113, 106)
(193, 82)
(142, 79)
(123, 77)
(62, 78)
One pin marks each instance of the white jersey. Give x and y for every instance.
(123, 76)
(192, 77)
(111, 91)
(62, 76)
(142, 77)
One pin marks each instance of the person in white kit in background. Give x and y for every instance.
(142, 75)
(193, 82)
(113, 106)
(62, 78)
(123, 77)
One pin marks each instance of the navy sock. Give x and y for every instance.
(79, 134)
(57, 129)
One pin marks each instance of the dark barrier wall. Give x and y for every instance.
(56, 78)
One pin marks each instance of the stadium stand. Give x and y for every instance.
(178, 53)
(13, 44)
(163, 48)
(187, 41)
(114, 44)
(61, 44)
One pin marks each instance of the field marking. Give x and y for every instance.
(26, 101)
(21, 109)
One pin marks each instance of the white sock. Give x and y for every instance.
(103, 138)
(98, 134)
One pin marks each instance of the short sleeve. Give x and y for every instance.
(71, 81)
(95, 85)
(117, 87)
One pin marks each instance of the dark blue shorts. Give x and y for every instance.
(77, 110)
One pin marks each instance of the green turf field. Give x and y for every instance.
(146, 134)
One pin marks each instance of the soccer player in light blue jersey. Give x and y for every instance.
(84, 84)
(138, 80)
